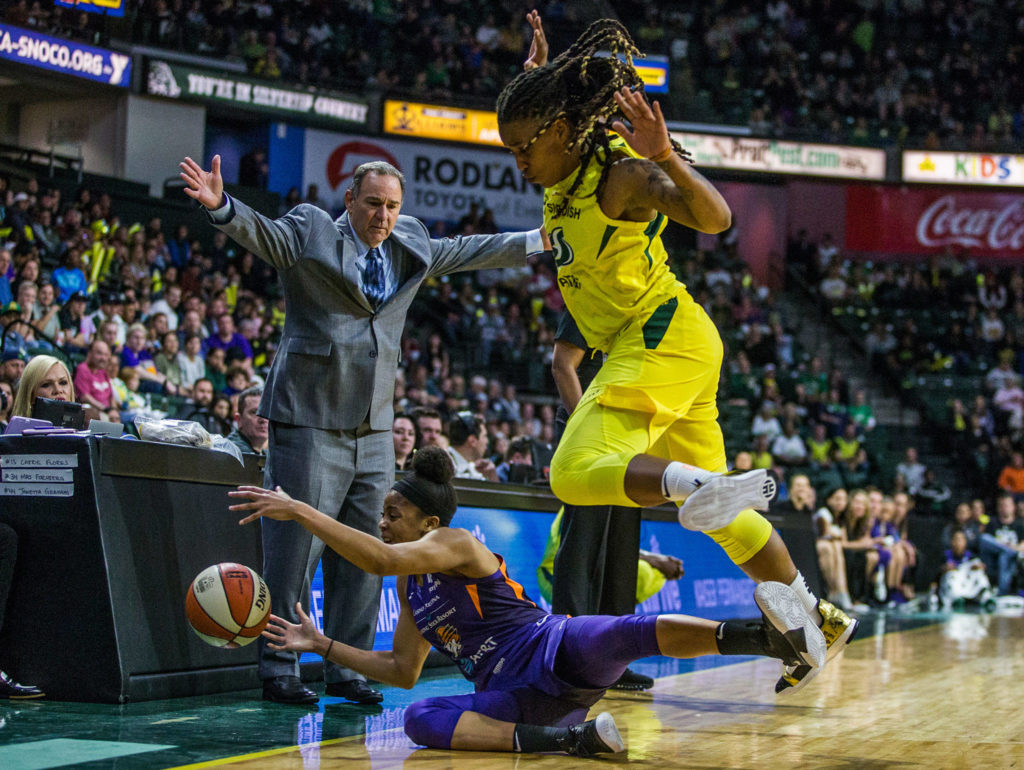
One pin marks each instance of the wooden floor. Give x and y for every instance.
(947, 695)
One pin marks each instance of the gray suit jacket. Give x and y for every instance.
(336, 362)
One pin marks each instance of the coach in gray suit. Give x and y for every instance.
(348, 285)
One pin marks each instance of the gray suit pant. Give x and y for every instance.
(344, 474)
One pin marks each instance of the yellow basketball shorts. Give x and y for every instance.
(654, 395)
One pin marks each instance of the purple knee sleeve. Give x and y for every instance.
(596, 649)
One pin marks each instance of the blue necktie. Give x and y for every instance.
(375, 284)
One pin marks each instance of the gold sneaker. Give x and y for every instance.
(838, 628)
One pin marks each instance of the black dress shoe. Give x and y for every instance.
(11, 690)
(288, 689)
(355, 690)
(631, 680)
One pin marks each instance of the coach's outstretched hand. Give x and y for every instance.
(272, 503)
(301, 637)
(207, 187)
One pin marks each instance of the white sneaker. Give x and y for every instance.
(783, 609)
(721, 498)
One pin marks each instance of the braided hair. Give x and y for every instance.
(579, 86)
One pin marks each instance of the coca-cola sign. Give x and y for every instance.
(914, 221)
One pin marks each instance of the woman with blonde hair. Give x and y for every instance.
(44, 377)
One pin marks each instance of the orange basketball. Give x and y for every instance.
(228, 605)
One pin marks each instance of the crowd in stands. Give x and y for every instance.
(950, 334)
(939, 75)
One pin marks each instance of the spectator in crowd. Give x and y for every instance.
(962, 522)
(6, 295)
(44, 377)
(44, 314)
(227, 339)
(93, 385)
(800, 499)
(766, 423)
(467, 434)
(429, 429)
(136, 355)
(166, 360)
(1011, 477)
(1002, 548)
(911, 470)
(71, 319)
(403, 430)
(6, 404)
(12, 365)
(829, 544)
(191, 362)
(249, 433)
(789, 449)
(111, 306)
(517, 466)
(859, 547)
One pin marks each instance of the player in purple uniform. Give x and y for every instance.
(535, 674)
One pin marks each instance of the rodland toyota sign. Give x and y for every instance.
(924, 221)
(440, 182)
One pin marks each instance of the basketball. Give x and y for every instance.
(228, 605)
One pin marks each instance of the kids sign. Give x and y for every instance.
(964, 168)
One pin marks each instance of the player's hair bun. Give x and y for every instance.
(433, 464)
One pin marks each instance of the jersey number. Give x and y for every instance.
(561, 248)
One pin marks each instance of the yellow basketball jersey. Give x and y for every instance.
(610, 271)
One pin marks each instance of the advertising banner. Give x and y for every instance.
(180, 81)
(452, 124)
(106, 7)
(925, 221)
(963, 168)
(440, 182)
(66, 56)
(712, 588)
(745, 153)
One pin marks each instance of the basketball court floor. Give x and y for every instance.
(935, 690)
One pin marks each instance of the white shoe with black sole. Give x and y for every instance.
(783, 609)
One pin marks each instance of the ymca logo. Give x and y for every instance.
(561, 248)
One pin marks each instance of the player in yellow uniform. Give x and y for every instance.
(646, 429)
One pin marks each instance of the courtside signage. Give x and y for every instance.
(926, 220)
(744, 153)
(84, 61)
(965, 168)
(452, 124)
(176, 81)
(106, 7)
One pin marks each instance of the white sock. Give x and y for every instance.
(681, 480)
(806, 597)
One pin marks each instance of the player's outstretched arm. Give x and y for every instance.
(400, 666)
(440, 550)
(664, 181)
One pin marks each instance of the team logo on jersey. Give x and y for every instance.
(451, 640)
(561, 248)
